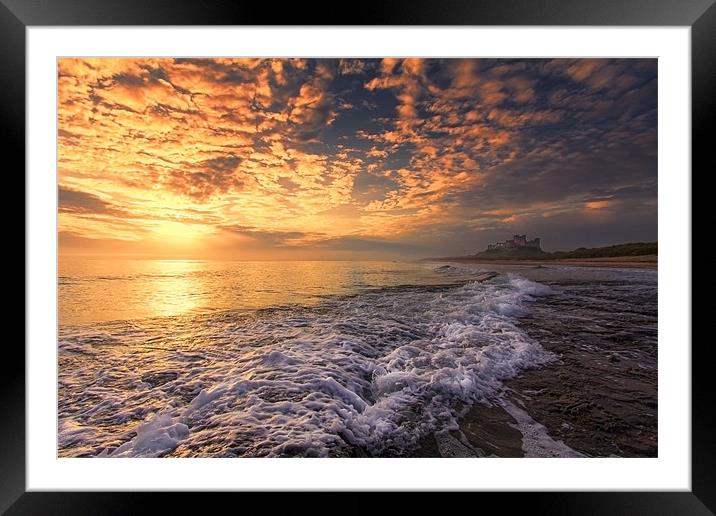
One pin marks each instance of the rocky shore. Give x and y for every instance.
(598, 397)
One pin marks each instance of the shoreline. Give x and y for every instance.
(596, 397)
(636, 262)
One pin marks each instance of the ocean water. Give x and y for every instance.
(275, 359)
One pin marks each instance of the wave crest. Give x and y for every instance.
(370, 373)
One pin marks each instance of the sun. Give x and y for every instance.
(179, 232)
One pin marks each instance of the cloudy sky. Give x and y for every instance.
(353, 158)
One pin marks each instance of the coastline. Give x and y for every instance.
(640, 262)
(597, 398)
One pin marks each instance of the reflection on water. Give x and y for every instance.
(242, 359)
(94, 290)
(174, 290)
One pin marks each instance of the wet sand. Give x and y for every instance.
(486, 430)
(597, 398)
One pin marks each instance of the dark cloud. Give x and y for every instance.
(212, 176)
(288, 185)
(358, 244)
(274, 239)
(401, 155)
(83, 203)
(315, 106)
(307, 240)
(370, 187)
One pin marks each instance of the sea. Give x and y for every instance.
(191, 358)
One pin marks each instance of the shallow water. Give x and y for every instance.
(94, 290)
(295, 358)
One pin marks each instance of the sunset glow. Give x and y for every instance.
(337, 158)
(357, 258)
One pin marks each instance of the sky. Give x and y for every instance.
(353, 158)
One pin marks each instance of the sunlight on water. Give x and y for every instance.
(227, 359)
(175, 289)
(94, 290)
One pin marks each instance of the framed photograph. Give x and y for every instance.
(416, 249)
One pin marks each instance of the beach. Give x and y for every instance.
(599, 399)
(355, 359)
(244, 257)
(620, 262)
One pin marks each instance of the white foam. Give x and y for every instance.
(536, 441)
(455, 270)
(204, 397)
(158, 436)
(70, 432)
(373, 372)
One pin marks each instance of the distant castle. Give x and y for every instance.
(517, 242)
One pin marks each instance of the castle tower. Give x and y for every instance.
(517, 242)
(520, 240)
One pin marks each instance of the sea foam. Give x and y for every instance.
(368, 374)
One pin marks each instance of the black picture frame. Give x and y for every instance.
(17, 15)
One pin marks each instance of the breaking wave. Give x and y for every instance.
(368, 374)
